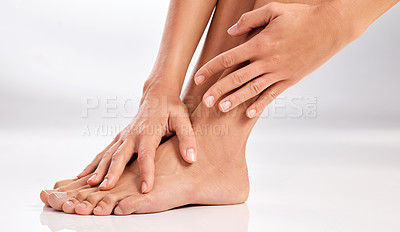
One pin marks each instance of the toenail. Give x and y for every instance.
(225, 105)
(191, 155)
(118, 210)
(70, 203)
(104, 183)
(93, 177)
(83, 205)
(98, 208)
(61, 195)
(209, 101)
(48, 192)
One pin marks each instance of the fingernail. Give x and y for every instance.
(118, 210)
(225, 105)
(93, 177)
(233, 29)
(70, 203)
(61, 195)
(98, 208)
(199, 79)
(83, 205)
(104, 183)
(252, 113)
(144, 186)
(191, 154)
(209, 101)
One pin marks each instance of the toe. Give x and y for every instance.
(57, 199)
(129, 205)
(44, 196)
(75, 184)
(61, 183)
(106, 206)
(84, 208)
(69, 206)
(88, 202)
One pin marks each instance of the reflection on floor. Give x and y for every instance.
(300, 181)
(195, 219)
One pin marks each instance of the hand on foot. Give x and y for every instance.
(160, 115)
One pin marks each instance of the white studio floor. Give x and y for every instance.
(327, 180)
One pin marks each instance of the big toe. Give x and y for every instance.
(44, 196)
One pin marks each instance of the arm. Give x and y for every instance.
(294, 41)
(185, 24)
(161, 111)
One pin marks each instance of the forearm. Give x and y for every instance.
(185, 24)
(360, 14)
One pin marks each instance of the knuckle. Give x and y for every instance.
(256, 87)
(258, 46)
(272, 94)
(238, 79)
(142, 157)
(235, 99)
(218, 91)
(116, 156)
(243, 19)
(107, 154)
(227, 60)
(259, 105)
(207, 71)
(272, 6)
(275, 60)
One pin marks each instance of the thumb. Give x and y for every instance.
(256, 18)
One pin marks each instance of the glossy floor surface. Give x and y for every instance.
(301, 180)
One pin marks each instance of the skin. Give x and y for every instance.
(161, 113)
(218, 177)
(189, 184)
(294, 41)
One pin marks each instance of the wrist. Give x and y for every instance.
(346, 24)
(154, 86)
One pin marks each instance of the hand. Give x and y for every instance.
(296, 40)
(160, 114)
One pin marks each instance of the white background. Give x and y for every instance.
(338, 171)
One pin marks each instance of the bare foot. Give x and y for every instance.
(62, 186)
(218, 177)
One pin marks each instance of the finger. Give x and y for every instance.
(256, 18)
(118, 162)
(102, 168)
(231, 82)
(223, 61)
(250, 90)
(95, 162)
(146, 153)
(266, 98)
(182, 126)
